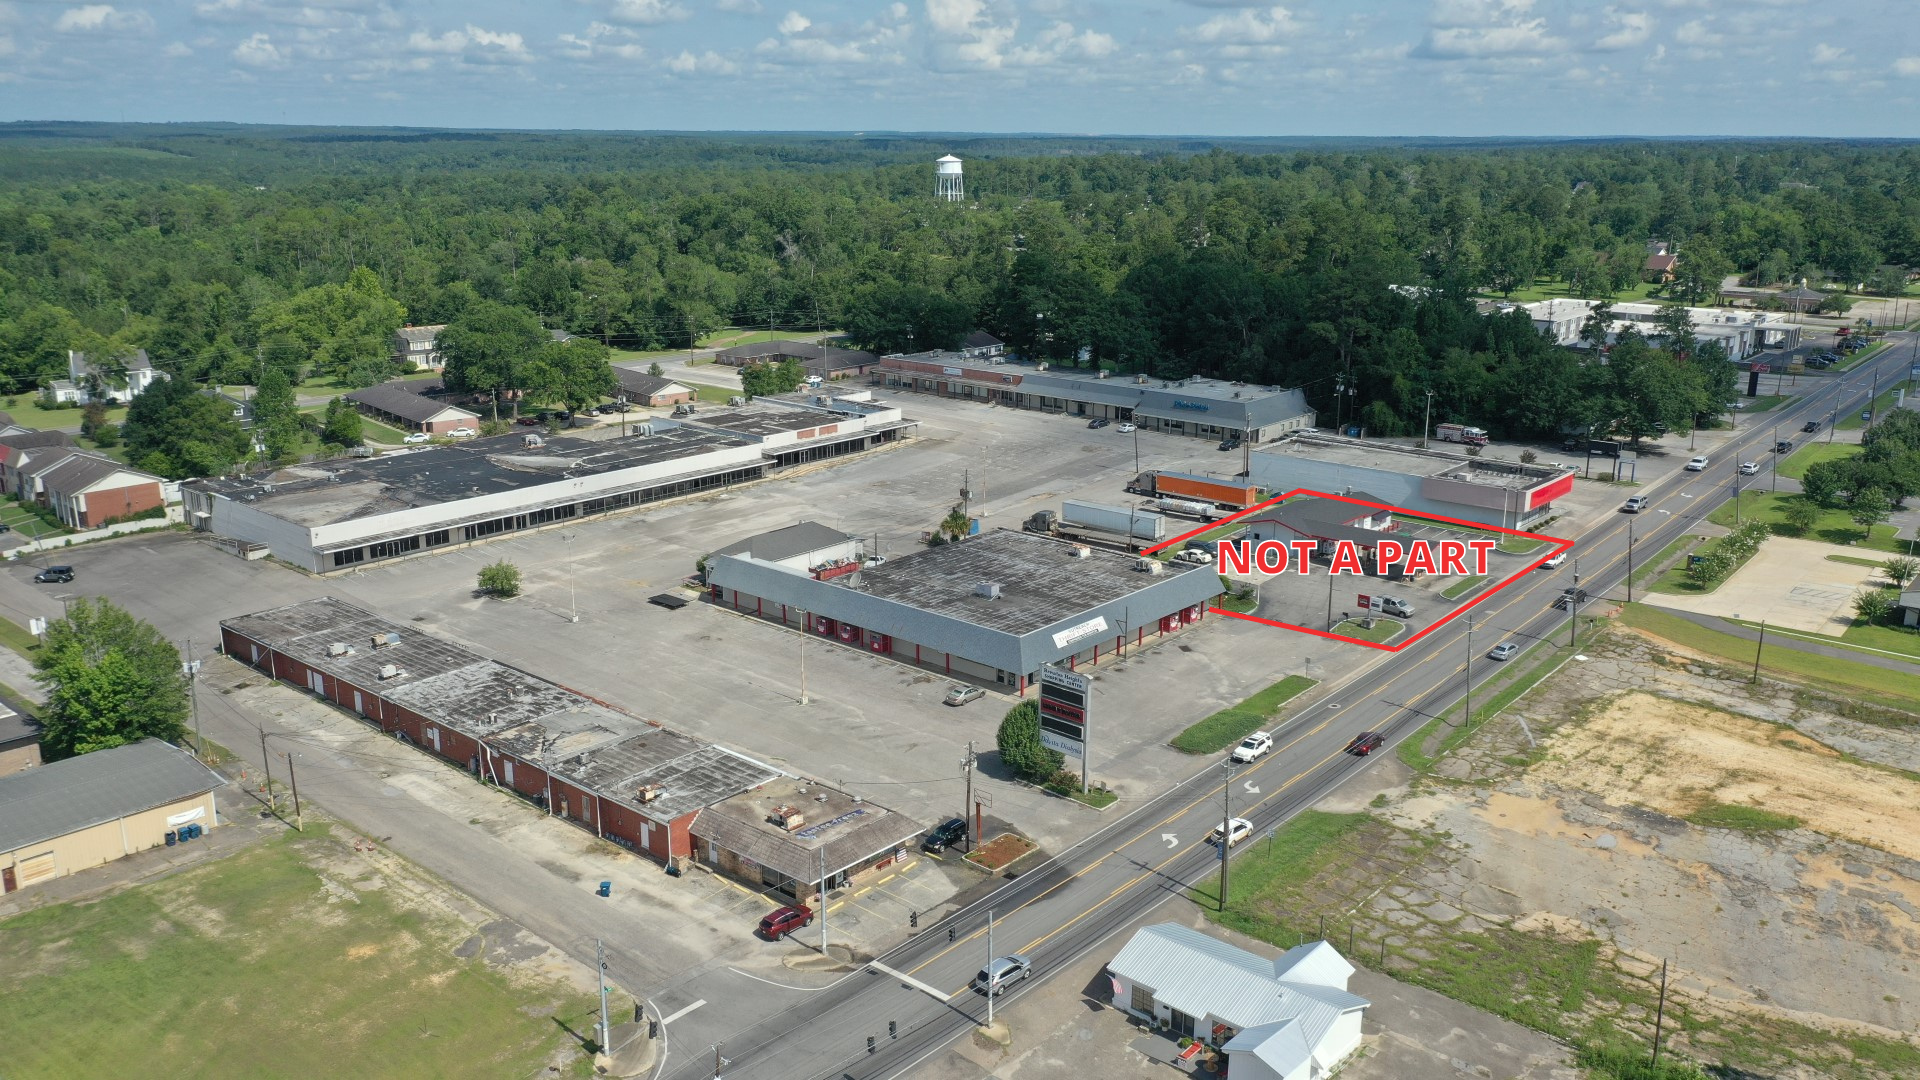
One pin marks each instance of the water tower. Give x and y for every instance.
(946, 180)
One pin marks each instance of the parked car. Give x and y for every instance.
(1748, 468)
(960, 694)
(1733, 406)
(1697, 463)
(1636, 504)
(785, 921)
(1253, 746)
(1098, 422)
(417, 437)
(1197, 556)
(1783, 446)
(1229, 444)
(5, 529)
(1237, 829)
(1366, 743)
(1810, 426)
(54, 575)
(528, 421)
(1126, 428)
(1001, 972)
(945, 835)
(875, 560)
(1554, 562)
(462, 433)
(1503, 651)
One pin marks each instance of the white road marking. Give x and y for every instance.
(668, 1020)
(933, 992)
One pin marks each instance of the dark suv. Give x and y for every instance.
(945, 835)
(54, 575)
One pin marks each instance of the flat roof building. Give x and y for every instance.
(792, 834)
(1197, 407)
(344, 513)
(806, 546)
(827, 361)
(1741, 332)
(75, 814)
(1484, 490)
(991, 608)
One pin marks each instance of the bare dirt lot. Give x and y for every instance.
(1763, 842)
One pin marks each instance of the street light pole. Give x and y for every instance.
(1467, 719)
(1426, 425)
(993, 983)
(1226, 827)
(1629, 560)
(1573, 605)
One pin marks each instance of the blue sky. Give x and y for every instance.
(1206, 67)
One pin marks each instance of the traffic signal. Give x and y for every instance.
(653, 1029)
(870, 1044)
(893, 1029)
(913, 918)
(949, 935)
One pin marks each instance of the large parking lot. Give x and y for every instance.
(871, 725)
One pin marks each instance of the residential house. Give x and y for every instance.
(418, 347)
(18, 449)
(72, 815)
(1290, 1017)
(981, 345)
(640, 388)
(1661, 262)
(826, 361)
(117, 382)
(87, 490)
(395, 403)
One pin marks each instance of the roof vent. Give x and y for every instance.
(1150, 567)
(339, 648)
(858, 799)
(988, 589)
(1080, 551)
(389, 671)
(648, 793)
(386, 640)
(787, 817)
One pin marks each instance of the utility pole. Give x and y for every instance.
(966, 811)
(1226, 827)
(806, 627)
(573, 602)
(718, 1061)
(993, 983)
(294, 779)
(1573, 606)
(1773, 467)
(823, 899)
(193, 699)
(1660, 1014)
(1630, 560)
(1467, 719)
(1757, 646)
(606, 1030)
(1426, 426)
(266, 763)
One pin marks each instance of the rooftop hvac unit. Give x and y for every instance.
(339, 648)
(1151, 567)
(386, 640)
(648, 793)
(389, 671)
(787, 817)
(988, 589)
(1080, 551)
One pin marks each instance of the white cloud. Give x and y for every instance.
(473, 45)
(1061, 42)
(739, 7)
(177, 50)
(603, 42)
(1697, 33)
(1246, 26)
(311, 13)
(1828, 54)
(1630, 28)
(646, 12)
(966, 36)
(707, 63)
(1484, 29)
(805, 42)
(259, 51)
(102, 19)
(1907, 65)
(794, 23)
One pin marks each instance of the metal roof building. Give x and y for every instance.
(991, 608)
(1285, 1018)
(78, 813)
(1488, 490)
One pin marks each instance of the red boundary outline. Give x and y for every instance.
(1560, 547)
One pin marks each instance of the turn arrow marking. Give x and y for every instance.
(1172, 840)
(1251, 790)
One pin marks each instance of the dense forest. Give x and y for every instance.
(226, 251)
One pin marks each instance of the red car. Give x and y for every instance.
(785, 921)
(1366, 743)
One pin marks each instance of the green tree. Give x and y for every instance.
(955, 524)
(572, 373)
(342, 425)
(1801, 515)
(1872, 606)
(490, 348)
(177, 431)
(344, 328)
(502, 579)
(654, 369)
(782, 378)
(110, 679)
(276, 417)
(1020, 748)
(901, 317)
(1699, 271)
(1900, 570)
(1869, 508)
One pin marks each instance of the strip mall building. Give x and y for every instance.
(1484, 490)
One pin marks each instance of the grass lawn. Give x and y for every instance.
(1744, 818)
(1261, 867)
(26, 411)
(1833, 527)
(1229, 726)
(1861, 356)
(1672, 575)
(1896, 639)
(710, 395)
(1808, 454)
(15, 637)
(1762, 403)
(1209, 536)
(1851, 679)
(256, 965)
(1460, 588)
(1546, 288)
(1852, 422)
(1382, 629)
(25, 522)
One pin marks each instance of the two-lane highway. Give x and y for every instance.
(914, 999)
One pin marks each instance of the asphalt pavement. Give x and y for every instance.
(912, 1000)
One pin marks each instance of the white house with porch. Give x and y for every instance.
(1285, 1018)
